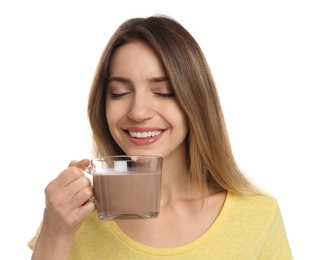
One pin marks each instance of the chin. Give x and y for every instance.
(141, 152)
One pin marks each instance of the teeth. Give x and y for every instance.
(145, 134)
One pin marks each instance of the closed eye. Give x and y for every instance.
(165, 95)
(118, 95)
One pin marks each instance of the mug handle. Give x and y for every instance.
(88, 174)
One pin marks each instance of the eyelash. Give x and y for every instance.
(163, 95)
(114, 96)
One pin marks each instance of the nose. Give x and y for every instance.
(141, 108)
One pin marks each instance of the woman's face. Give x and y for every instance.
(143, 114)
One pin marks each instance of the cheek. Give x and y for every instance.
(115, 113)
(178, 119)
(183, 122)
(184, 125)
(110, 116)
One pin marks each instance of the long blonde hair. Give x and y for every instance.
(210, 158)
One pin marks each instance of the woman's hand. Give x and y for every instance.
(67, 205)
(68, 200)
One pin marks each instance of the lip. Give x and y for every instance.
(145, 140)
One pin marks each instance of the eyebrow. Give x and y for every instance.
(120, 79)
(159, 79)
(125, 80)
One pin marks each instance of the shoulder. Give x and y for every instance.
(253, 223)
(257, 212)
(263, 201)
(262, 207)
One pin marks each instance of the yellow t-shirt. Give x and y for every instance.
(248, 227)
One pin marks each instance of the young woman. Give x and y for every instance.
(153, 94)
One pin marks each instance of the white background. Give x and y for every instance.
(264, 58)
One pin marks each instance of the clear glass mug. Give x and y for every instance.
(126, 187)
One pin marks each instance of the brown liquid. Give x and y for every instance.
(127, 195)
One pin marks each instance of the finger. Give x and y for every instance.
(64, 189)
(68, 176)
(69, 200)
(81, 164)
(81, 197)
(83, 211)
(88, 208)
(77, 185)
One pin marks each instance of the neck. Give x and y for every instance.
(176, 182)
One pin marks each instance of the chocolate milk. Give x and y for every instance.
(127, 195)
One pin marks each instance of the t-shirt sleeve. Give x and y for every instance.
(32, 242)
(276, 245)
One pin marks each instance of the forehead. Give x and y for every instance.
(136, 57)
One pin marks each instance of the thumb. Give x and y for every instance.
(81, 164)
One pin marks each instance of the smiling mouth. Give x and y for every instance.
(144, 135)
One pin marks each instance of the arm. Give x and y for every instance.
(67, 205)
